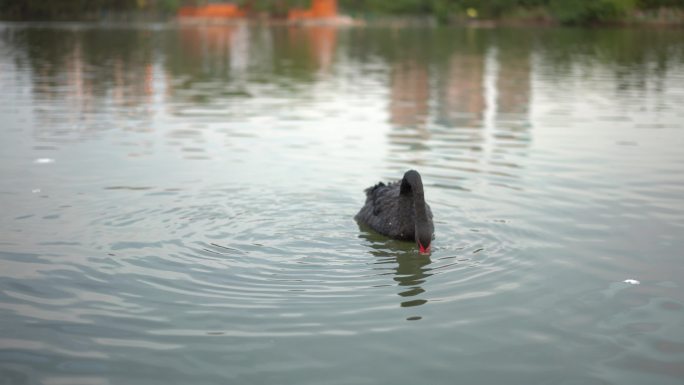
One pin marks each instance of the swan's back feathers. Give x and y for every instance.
(388, 212)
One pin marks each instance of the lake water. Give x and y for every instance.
(177, 205)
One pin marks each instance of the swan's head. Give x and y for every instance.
(423, 238)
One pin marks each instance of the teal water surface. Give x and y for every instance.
(177, 205)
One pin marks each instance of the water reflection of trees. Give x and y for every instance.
(470, 93)
(633, 55)
(458, 88)
(224, 52)
(513, 88)
(76, 78)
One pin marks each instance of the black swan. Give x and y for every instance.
(398, 210)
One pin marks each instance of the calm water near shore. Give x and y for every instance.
(177, 205)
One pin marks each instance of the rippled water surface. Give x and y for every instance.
(177, 205)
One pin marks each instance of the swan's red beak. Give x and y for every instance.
(424, 250)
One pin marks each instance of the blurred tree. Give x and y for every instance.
(73, 9)
(660, 3)
(590, 11)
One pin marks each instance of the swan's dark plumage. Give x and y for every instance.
(398, 210)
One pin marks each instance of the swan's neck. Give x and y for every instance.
(412, 186)
(419, 207)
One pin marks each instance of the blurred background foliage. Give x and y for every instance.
(561, 11)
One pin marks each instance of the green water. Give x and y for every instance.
(177, 205)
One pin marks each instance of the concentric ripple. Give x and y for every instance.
(177, 205)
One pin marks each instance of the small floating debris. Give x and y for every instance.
(35, 191)
(631, 281)
(44, 161)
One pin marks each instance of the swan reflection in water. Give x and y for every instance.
(400, 259)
